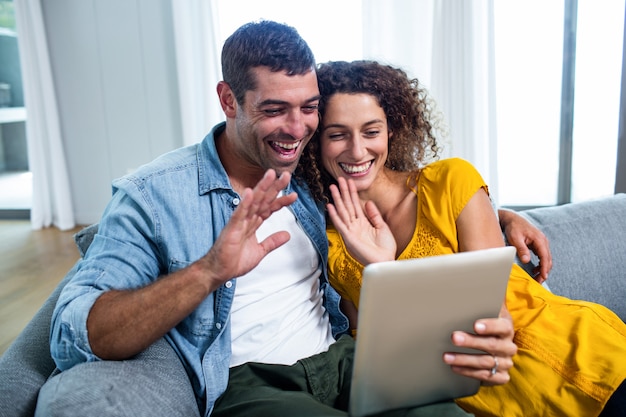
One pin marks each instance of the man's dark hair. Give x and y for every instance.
(263, 43)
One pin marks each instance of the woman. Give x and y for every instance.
(371, 156)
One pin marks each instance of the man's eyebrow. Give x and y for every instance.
(274, 102)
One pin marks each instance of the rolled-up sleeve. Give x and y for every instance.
(69, 342)
(120, 257)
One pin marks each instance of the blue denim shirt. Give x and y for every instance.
(161, 219)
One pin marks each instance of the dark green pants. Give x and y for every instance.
(315, 386)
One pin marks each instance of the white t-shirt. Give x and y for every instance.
(278, 315)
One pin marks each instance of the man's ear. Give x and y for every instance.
(227, 99)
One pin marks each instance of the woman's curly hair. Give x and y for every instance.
(411, 117)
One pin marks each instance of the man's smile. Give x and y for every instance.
(285, 148)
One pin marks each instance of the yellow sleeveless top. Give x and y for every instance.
(571, 354)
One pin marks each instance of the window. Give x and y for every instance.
(535, 128)
(599, 34)
(15, 178)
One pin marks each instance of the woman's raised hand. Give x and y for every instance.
(365, 233)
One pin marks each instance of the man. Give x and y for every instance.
(214, 253)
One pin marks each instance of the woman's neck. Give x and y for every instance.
(397, 204)
(388, 191)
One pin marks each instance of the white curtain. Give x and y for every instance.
(448, 45)
(52, 200)
(399, 33)
(198, 63)
(463, 77)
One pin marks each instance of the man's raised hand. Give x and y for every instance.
(237, 249)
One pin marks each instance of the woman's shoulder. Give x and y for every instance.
(447, 167)
(451, 176)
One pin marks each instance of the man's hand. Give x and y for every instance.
(237, 250)
(526, 237)
(493, 336)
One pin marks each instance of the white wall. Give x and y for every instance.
(114, 70)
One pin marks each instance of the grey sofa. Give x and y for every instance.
(588, 243)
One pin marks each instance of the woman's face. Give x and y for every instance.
(354, 139)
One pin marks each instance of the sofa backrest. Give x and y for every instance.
(588, 244)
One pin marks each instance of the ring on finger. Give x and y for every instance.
(494, 370)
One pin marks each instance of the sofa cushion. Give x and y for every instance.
(84, 237)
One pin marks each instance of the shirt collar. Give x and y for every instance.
(211, 172)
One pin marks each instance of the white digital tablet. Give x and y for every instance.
(407, 312)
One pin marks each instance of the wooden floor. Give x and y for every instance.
(32, 262)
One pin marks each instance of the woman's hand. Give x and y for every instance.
(493, 336)
(365, 233)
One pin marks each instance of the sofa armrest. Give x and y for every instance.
(27, 363)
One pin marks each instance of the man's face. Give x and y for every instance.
(277, 119)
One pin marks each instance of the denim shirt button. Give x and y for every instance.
(218, 325)
(228, 284)
(236, 201)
